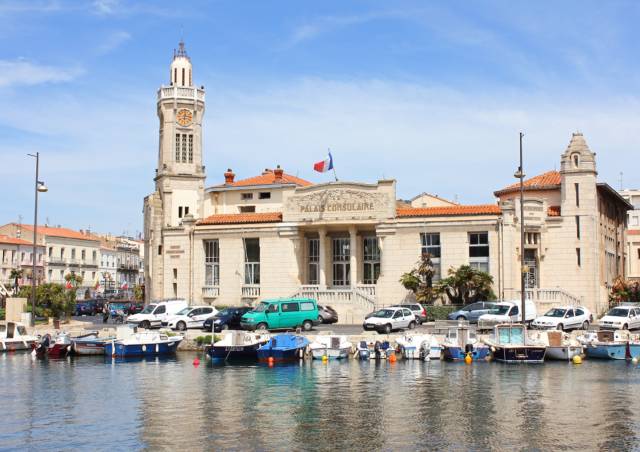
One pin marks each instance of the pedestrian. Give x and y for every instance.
(105, 313)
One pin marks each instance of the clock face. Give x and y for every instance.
(184, 117)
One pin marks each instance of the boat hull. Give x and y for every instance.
(151, 349)
(16, 345)
(519, 354)
(364, 354)
(455, 353)
(563, 353)
(88, 347)
(613, 351)
(280, 355)
(330, 353)
(234, 352)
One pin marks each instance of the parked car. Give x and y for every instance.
(388, 319)
(135, 307)
(86, 307)
(327, 314)
(227, 319)
(621, 318)
(282, 313)
(418, 311)
(116, 306)
(509, 311)
(153, 314)
(190, 317)
(472, 312)
(564, 318)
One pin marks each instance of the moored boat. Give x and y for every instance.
(362, 351)
(147, 343)
(333, 347)
(560, 346)
(89, 344)
(419, 346)
(13, 337)
(237, 346)
(53, 347)
(610, 345)
(282, 348)
(510, 344)
(460, 342)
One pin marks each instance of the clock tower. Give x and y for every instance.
(180, 176)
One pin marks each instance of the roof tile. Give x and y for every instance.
(5, 239)
(482, 209)
(546, 181)
(242, 218)
(61, 232)
(269, 178)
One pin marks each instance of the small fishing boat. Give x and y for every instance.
(362, 351)
(58, 347)
(283, 347)
(147, 343)
(89, 344)
(460, 341)
(13, 337)
(237, 346)
(610, 345)
(510, 344)
(419, 346)
(560, 346)
(333, 347)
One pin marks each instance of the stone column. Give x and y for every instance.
(322, 239)
(353, 258)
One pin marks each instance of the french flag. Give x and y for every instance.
(325, 165)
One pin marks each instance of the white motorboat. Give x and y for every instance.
(560, 346)
(147, 343)
(419, 346)
(237, 346)
(333, 347)
(13, 336)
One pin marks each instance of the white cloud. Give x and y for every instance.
(105, 7)
(24, 72)
(113, 41)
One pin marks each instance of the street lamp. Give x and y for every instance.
(40, 187)
(519, 174)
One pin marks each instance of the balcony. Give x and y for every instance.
(250, 291)
(210, 291)
(90, 263)
(171, 92)
(51, 260)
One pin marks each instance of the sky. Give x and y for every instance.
(430, 93)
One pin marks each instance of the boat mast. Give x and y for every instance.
(520, 175)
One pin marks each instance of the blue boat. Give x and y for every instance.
(283, 347)
(609, 345)
(148, 343)
(461, 341)
(363, 351)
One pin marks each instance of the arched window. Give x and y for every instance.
(576, 160)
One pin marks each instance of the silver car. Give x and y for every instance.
(472, 312)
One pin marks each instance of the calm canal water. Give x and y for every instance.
(94, 404)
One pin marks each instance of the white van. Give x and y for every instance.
(154, 314)
(509, 311)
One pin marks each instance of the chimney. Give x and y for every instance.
(278, 172)
(229, 176)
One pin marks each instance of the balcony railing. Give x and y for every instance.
(51, 260)
(169, 92)
(250, 291)
(210, 291)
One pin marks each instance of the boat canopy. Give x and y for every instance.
(510, 334)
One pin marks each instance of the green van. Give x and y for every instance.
(282, 313)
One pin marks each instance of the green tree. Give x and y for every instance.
(466, 285)
(15, 275)
(52, 300)
(420, 280)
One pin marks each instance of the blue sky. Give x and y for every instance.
(430, 93)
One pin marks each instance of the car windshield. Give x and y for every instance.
(224, 312)
(384, 313)
(261, 307)
(618, 312)
(149, 309)
(500, 310)
(184, 311)
(556, 312)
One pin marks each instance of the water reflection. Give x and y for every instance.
(170, 404)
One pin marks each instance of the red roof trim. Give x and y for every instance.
(546, 181)
(242, 218)
(482, 209)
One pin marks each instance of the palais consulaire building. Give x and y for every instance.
(347, 243)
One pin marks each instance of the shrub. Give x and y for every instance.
(2, 314)
(52, 300)
(439, 312)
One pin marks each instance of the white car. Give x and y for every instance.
(564, 318)
(190, 317)
(386, 320)
(507, 312)
(621, 318)
(154, 314)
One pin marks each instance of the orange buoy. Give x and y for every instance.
(270, 360)
(392, 358)
(468, 359)
(196, 362)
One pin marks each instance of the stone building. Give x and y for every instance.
(633, 234)
(17, 254)
(348, 243)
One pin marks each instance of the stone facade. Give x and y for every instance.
(633, 234)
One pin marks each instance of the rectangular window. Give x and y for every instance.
(578, 257)
(180, 212)
(247, 209)
(578, 226)
(186, 210)
(94, 254)
(211, 263)
(479, 251)
(177, 148)
(341, 261)
(307, 306)
(83, 254)
(252, 261)
(159, 249)
(314, 261)
(431, 245)
(577, 187)
(246, 196)
(73, 253)
(371, 260)
(61, 253)
(265, 195)
(290, 307)
(50, 251)
(183, 147)
(190, 148)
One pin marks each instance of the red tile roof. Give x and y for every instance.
(242, 218)
(554, 211)
(61, 232)
(5, 239)
(633, 231)
(483, 209)
(269, 178)
(546, 181)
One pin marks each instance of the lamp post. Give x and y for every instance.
(40, 187)
(520, 175)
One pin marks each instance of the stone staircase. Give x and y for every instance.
(546, 299)
(351, 304)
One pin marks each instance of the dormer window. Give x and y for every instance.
(575, 158)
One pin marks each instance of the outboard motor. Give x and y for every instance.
(377, 350)
(43, 346)
(425, 350)
(468, 348)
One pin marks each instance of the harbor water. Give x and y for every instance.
(93, 403)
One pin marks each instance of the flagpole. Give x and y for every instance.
(333, 167)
